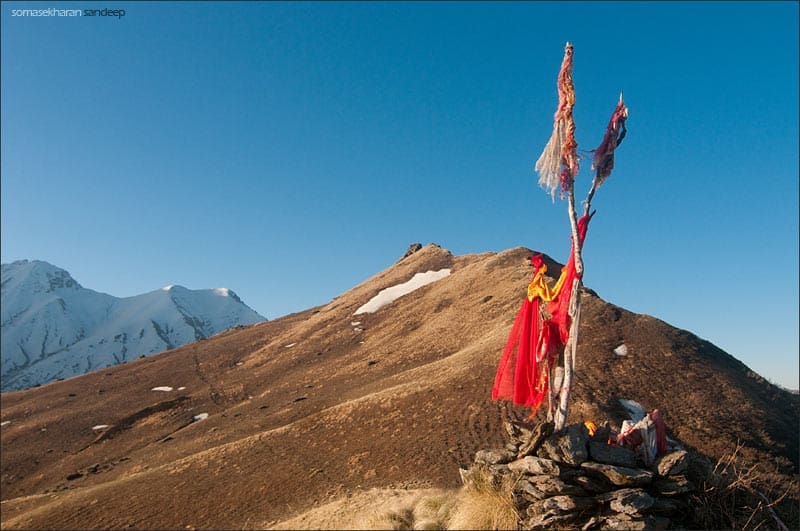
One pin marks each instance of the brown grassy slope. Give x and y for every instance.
(401, 404)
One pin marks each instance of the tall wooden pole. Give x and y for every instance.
(558, 167)
(571, 348)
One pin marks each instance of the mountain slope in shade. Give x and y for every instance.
(52, 327)
(325, 405)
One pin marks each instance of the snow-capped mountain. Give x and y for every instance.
(52, 327)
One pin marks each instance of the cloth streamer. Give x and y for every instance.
(603, 160)
(523, 374)
(558, 164)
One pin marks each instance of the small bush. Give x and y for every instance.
(731, 497)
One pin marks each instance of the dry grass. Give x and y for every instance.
(481, 504)
(485, 505)
(733, 497)
(420, 513)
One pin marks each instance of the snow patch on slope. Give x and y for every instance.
(389, 295)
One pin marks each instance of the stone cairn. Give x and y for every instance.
(573, 480)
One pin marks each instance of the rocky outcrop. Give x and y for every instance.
(573, 480)
(413, 248)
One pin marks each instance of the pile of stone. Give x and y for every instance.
(574, 480)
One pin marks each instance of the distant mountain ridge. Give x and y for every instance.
(52, 327)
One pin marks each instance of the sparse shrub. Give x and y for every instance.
(731, 498)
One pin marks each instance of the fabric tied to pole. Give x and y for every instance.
(558, 164)
(603, 160)
(536, 340)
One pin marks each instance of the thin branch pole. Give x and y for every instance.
(570, 349)
(570, 353)
(573, 221)
(551, 370)
(565, 158)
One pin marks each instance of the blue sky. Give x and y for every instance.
(289, 151)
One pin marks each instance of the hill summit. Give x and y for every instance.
(262, 424)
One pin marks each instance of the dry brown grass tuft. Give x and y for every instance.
(732, 497)
(485, 505)
(481, 504)
(424, 512)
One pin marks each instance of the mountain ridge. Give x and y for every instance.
(54, 328)
(323, 404)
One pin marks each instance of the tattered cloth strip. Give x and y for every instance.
(648, 437)
(603, 161)
(535, 342)
(558, 164)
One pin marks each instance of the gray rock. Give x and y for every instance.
(612, 454)
(665, 506)
(631, 501)
(699, 469)
(549, 521)
(602, 433)
(413, 248)
(622, 521)
(540, 487)
(535, 465)
(497, 456)
(493, 473)
(563, 504)
(595, 522)
(569, 474)
(535, 439)
(673, 485)
(592, 485)
(672, 464)
(518, 433)
(618, 475)
(568, 445)
(529, 491)
(513, 448)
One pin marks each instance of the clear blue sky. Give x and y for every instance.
(288, 151)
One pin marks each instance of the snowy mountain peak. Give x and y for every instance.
(52, 327)
(225, 292)
(176, 287)
(35, 276)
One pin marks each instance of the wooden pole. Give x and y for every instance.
(571, 348)
(560, 152)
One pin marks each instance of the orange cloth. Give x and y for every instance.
(538, 287)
